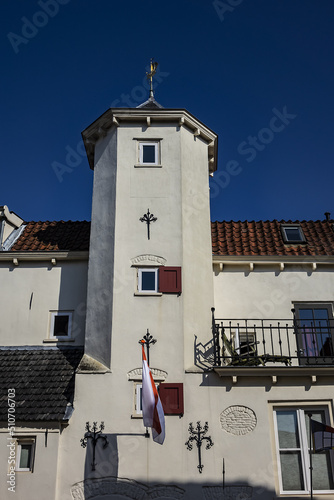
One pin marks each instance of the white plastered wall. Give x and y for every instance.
(30, 291)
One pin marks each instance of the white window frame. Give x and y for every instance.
(284, 227)
(24, 441)
(142, 270)
(53, 315)
(156, 145)
(138, 401)
(138, 409)
(304, 451)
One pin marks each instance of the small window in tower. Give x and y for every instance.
(60, 325)
(148, 280)
(149, 153)
(292, 233)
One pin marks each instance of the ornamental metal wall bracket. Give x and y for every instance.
(148, 218)
(148, 340)
(94, 434)
(198, 435)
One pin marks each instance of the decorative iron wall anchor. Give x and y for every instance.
(198, 435)
(94, 434)
(148, 218)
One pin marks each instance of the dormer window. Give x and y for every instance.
(292, 233)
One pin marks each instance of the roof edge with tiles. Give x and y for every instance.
(53, 236)
(264, 239)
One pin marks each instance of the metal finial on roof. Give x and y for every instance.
(149, 76)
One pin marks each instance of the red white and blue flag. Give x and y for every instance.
(323, 436)
(153, 413)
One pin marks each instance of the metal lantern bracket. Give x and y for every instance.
(198, 435)
(94, 435)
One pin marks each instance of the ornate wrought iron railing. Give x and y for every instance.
(259, 342)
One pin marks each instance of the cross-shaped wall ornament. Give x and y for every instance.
(148, 218)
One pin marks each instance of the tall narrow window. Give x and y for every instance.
(25, 449)
(138, 405)
(315, 332)
(293, 451)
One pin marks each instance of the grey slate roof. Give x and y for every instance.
(43, 379)
(151, 103)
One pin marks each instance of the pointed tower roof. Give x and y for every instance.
(151, 103)
(149, 112)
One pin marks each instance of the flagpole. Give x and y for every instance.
(311, 466)
(223, 473)
(147, 340)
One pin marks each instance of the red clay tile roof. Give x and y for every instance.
(265, 238)
(54, 236)
(228, 238)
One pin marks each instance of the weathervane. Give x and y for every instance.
(148, 218)
(149, 76)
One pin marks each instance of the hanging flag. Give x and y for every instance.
(153, 413)
(323, 436)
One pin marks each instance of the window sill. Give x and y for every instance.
(135, 415)
(149, 294)
(57, 340)
(147, 165)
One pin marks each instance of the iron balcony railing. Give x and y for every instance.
(259, 342)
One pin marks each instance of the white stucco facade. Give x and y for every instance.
(112, 314)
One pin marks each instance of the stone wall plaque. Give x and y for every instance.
(238, 420)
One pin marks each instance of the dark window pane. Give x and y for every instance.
(322, 471)
(148, 153)
(287, 429)
(292, 475)
(148, 280)
(61, 326)
(293, 234)
(321, 314)
(25, 457)
(305, 314)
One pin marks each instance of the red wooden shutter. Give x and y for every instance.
(171, 396)
(170, 279)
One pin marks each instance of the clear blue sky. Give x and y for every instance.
(237, 65)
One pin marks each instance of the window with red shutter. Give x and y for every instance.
(170, 279)
(171, 396)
